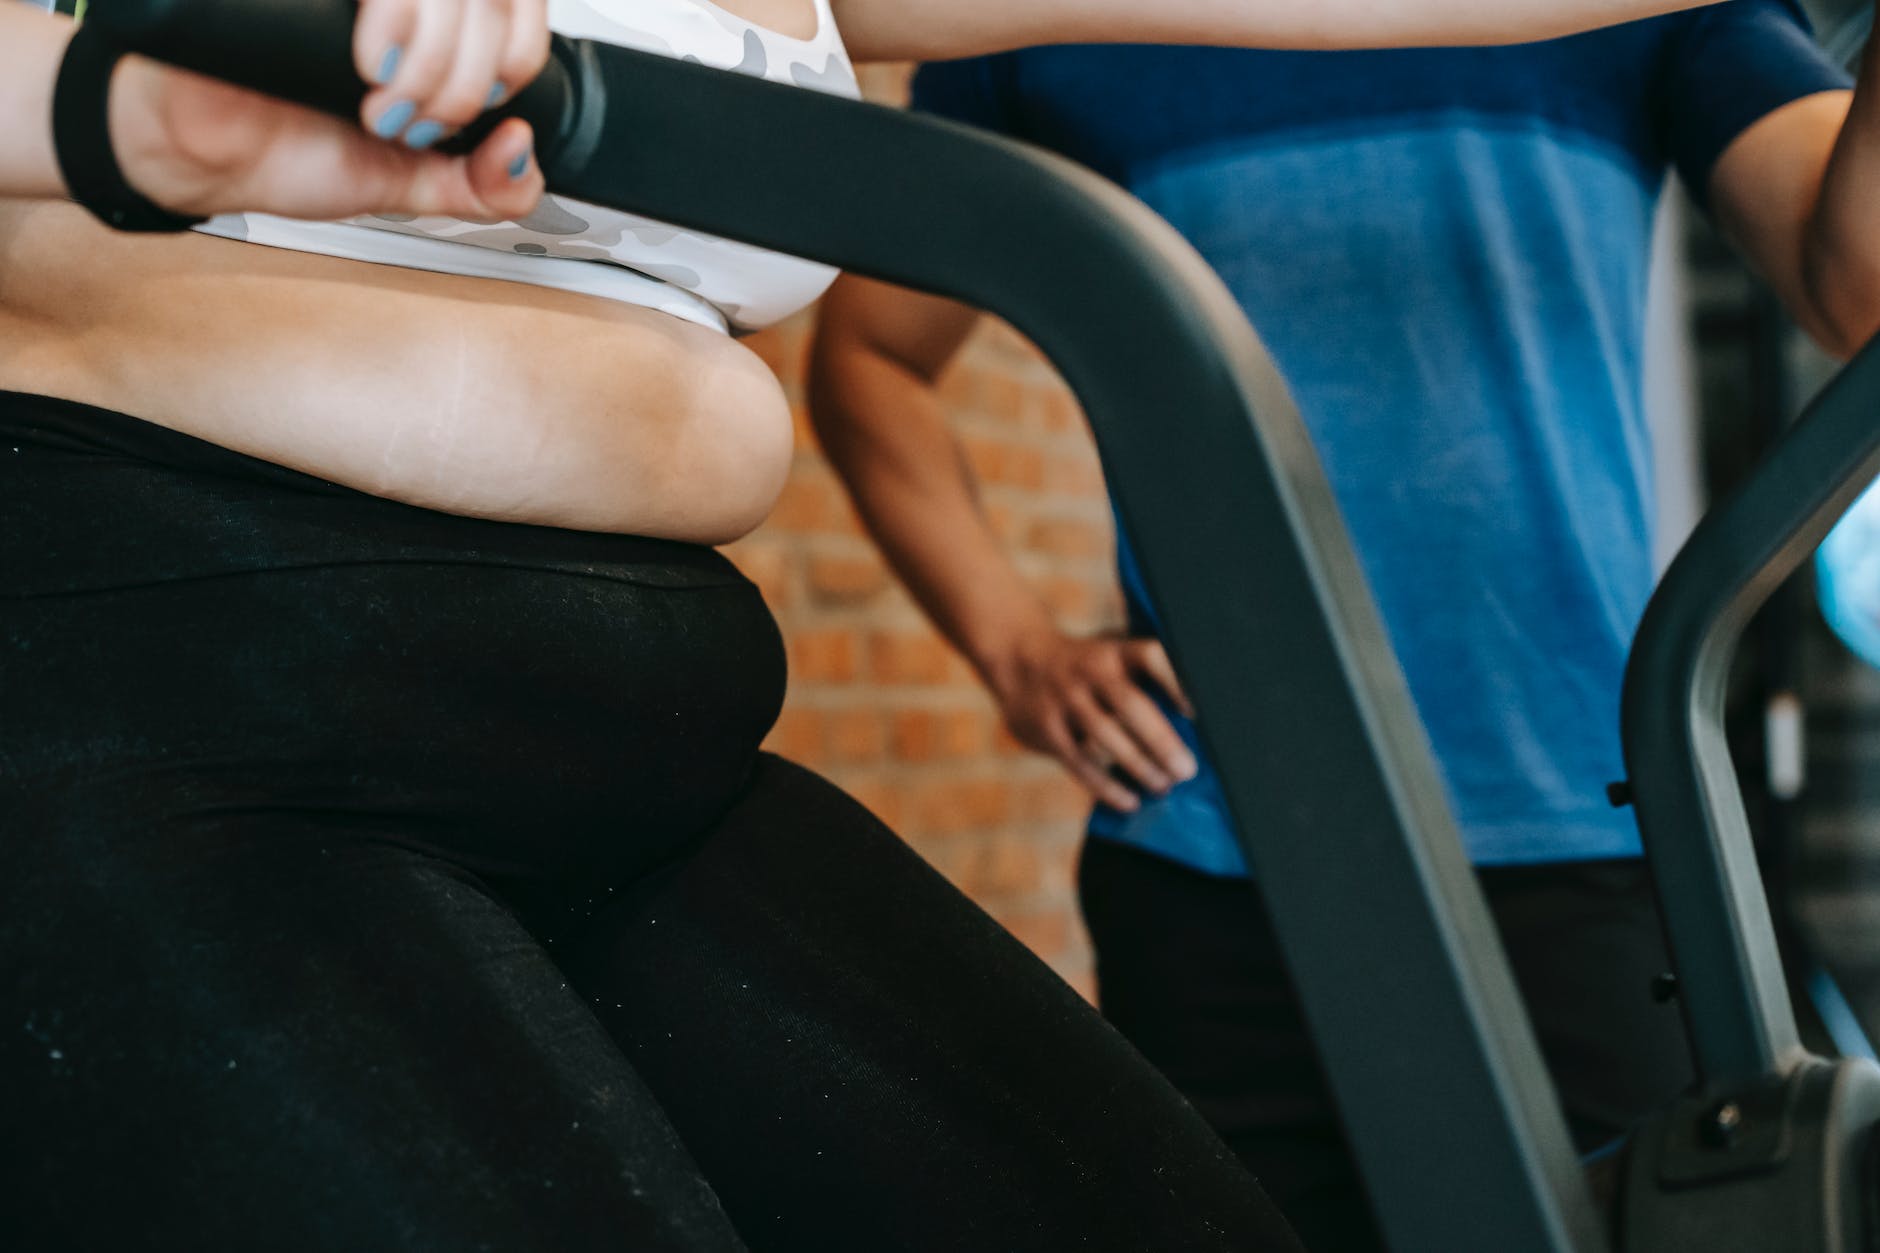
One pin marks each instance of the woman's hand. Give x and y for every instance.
(1082, 701)
(197, 145)
(439, 63)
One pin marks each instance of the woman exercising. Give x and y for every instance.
(388, 859)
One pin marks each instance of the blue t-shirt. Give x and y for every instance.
(1446, 252)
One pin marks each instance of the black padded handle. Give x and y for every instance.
(301, 50)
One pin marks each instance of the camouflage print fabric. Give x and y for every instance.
(583, 247)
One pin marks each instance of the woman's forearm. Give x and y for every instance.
(196, 146)
(31, 45)
(929, 30)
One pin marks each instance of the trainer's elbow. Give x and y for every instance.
(1840, 297)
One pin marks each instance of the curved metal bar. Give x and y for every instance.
(1690, 809)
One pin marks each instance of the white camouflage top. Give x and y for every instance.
(582, 247)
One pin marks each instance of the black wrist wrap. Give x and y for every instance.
(81, 136)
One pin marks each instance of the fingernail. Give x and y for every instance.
(388, 65)
(1186, 768)
(393, 119)
(520, 165)
(424, 134)
(496, 96)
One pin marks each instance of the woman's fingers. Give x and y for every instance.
(380, 34)
(471, 86)
(197, 145)
(497, 182)
(439, 64)
(525, 48)
(421, 63)
(502, 173)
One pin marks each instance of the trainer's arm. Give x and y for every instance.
(878, 354)
(1799, 193)
(932, 30)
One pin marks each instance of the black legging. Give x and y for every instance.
(372, 879)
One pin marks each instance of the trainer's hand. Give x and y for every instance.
(1082, 701)
(194, 145)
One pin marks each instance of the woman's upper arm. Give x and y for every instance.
(931, 30)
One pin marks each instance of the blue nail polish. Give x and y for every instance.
(520, 165)
(393, 119)
(424, 134)
(496, 96)
(388, 66)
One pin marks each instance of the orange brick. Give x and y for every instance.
(771, 567)
(782, 347)
(959, 806)
(798, 735)
(856, 735)
(1076, 601)
(1003, 461)
(999, 343)
(1050, 934)
(1073, 474)
(806, 440)
(956, 859)
(1058, 860)
(1081, 977)
(1056, 798)
(1009, 867)
(1061, 413)
(813, 502)
(1068, 537)
(1004, 519)
(846, 580)
(1001, 394)
(985, 812)
(958, 389)
(963, 732)
(913, 735)
(826, 656)
(920, 735)
(919, 659)
(884, 800)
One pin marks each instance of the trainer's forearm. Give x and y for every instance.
(885, 431)
(938, 29)
(31, 46)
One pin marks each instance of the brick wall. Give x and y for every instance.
(880, 704)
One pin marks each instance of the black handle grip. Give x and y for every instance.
(301, 50)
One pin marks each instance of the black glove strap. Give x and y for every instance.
(81, 135)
